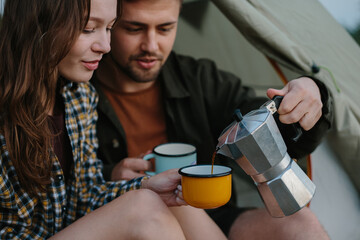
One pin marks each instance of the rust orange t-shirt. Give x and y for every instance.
(142, 117)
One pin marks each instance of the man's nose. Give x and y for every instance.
(150, 43)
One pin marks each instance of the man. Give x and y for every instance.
(150, 95)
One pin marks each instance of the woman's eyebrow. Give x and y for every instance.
(99, 20)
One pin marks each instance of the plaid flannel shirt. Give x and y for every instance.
(23, 217)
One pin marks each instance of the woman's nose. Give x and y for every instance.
(103, 43)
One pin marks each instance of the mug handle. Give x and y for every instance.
(146, 158)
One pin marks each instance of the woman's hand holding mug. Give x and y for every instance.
(167, 185)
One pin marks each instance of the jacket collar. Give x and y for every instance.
(171, 78)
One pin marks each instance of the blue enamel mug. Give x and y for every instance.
(171, 155)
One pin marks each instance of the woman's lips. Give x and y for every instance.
(93, 65)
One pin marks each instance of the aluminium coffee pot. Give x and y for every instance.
(255, 143)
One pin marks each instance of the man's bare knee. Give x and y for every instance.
(257, 223)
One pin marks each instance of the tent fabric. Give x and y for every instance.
(262, 30)
(209, 34)
(297, 40)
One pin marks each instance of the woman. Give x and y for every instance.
(50, 177)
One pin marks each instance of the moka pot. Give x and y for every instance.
(255, 143)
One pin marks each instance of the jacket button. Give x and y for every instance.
(59, 177)
(115, 143)
(64, 209)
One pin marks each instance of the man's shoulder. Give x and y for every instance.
(188, 64)
(188, 60)
(192, 66)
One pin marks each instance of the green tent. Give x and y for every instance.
(241, 36)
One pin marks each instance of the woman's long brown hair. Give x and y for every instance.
(34, 36)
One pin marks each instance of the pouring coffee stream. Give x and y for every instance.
(255, 143)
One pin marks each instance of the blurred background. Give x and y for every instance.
(346, 12)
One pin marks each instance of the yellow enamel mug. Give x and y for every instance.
(202, 189)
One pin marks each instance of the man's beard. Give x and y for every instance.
(141, 75)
